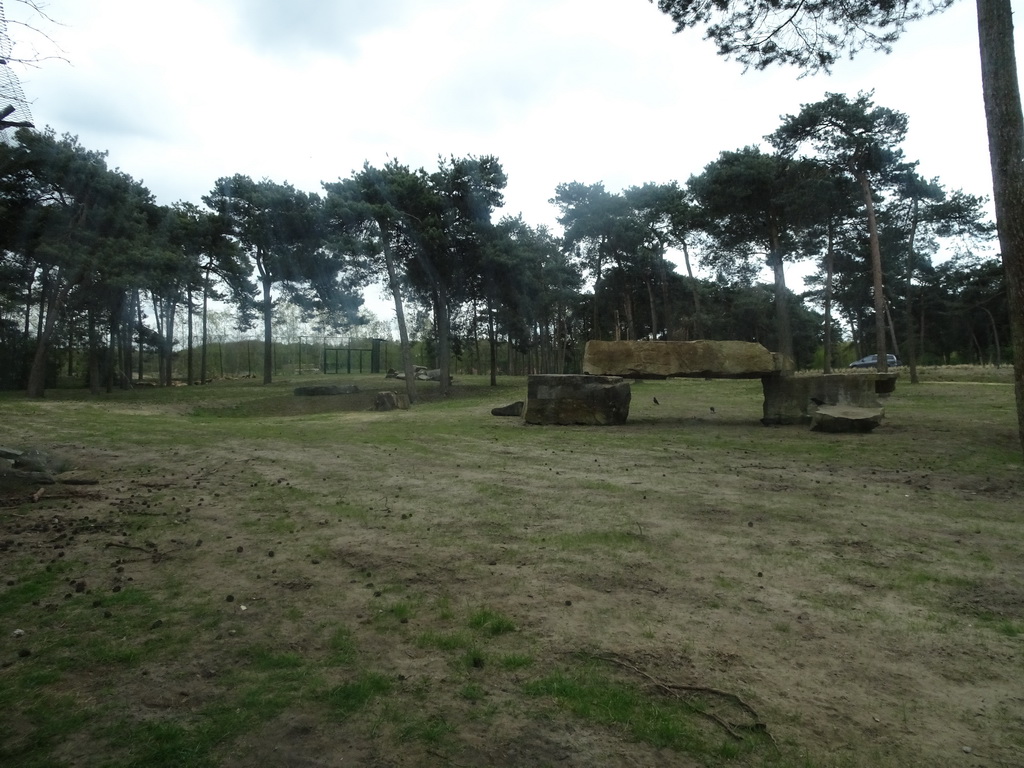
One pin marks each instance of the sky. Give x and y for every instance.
(183, 92)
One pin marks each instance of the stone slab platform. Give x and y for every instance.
(667, 359)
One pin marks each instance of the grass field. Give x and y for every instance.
(258, 579)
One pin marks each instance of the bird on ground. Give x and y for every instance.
(655, 401)
(712, 409)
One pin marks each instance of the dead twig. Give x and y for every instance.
(130, 546)
(155, 555)
(36, 496)
(673, 689)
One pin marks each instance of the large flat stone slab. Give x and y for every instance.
(572, 399)
(665, 359)
(846, 418)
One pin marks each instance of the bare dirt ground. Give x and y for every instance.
(863, 594)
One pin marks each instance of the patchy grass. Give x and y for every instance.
(263, 579)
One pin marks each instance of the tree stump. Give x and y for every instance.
(390, 401)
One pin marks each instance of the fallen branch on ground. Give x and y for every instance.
(673, 689)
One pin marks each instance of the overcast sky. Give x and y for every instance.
(182, 92)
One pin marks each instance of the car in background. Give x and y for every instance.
(871, 361)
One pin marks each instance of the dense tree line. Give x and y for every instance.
(95, 270)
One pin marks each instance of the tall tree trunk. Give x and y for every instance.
(995, 336)
(29, 282)
(71, 347)
(110, 354)
(829, 266)
(782, 323)
(492, 344)
(55, 295)
(698, 326)
(268, 338)
(876, 273)
(45, 289)
(158, 321)
(395, 286)
(667, 311)
(562, 341)
(142, 347)
(125, 342)
(204, 330)
(892, 329)
(188, 339)
(627, 306)
(909, 347)
(1006, 153)
(444, 347)
(168, 344)
(93, 355)
(595, 327)
(654, 314)
(442, 320)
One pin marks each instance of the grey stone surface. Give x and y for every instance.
(572, 399)
(512, 409)
(9, 453)
(795, 399)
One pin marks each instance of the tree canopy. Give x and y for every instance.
(809, 34)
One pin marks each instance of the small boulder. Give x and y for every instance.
(512, 409)
(10, 454)
(76, 477)
(419, 372)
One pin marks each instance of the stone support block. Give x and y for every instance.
(572, 399)
(795, 399)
